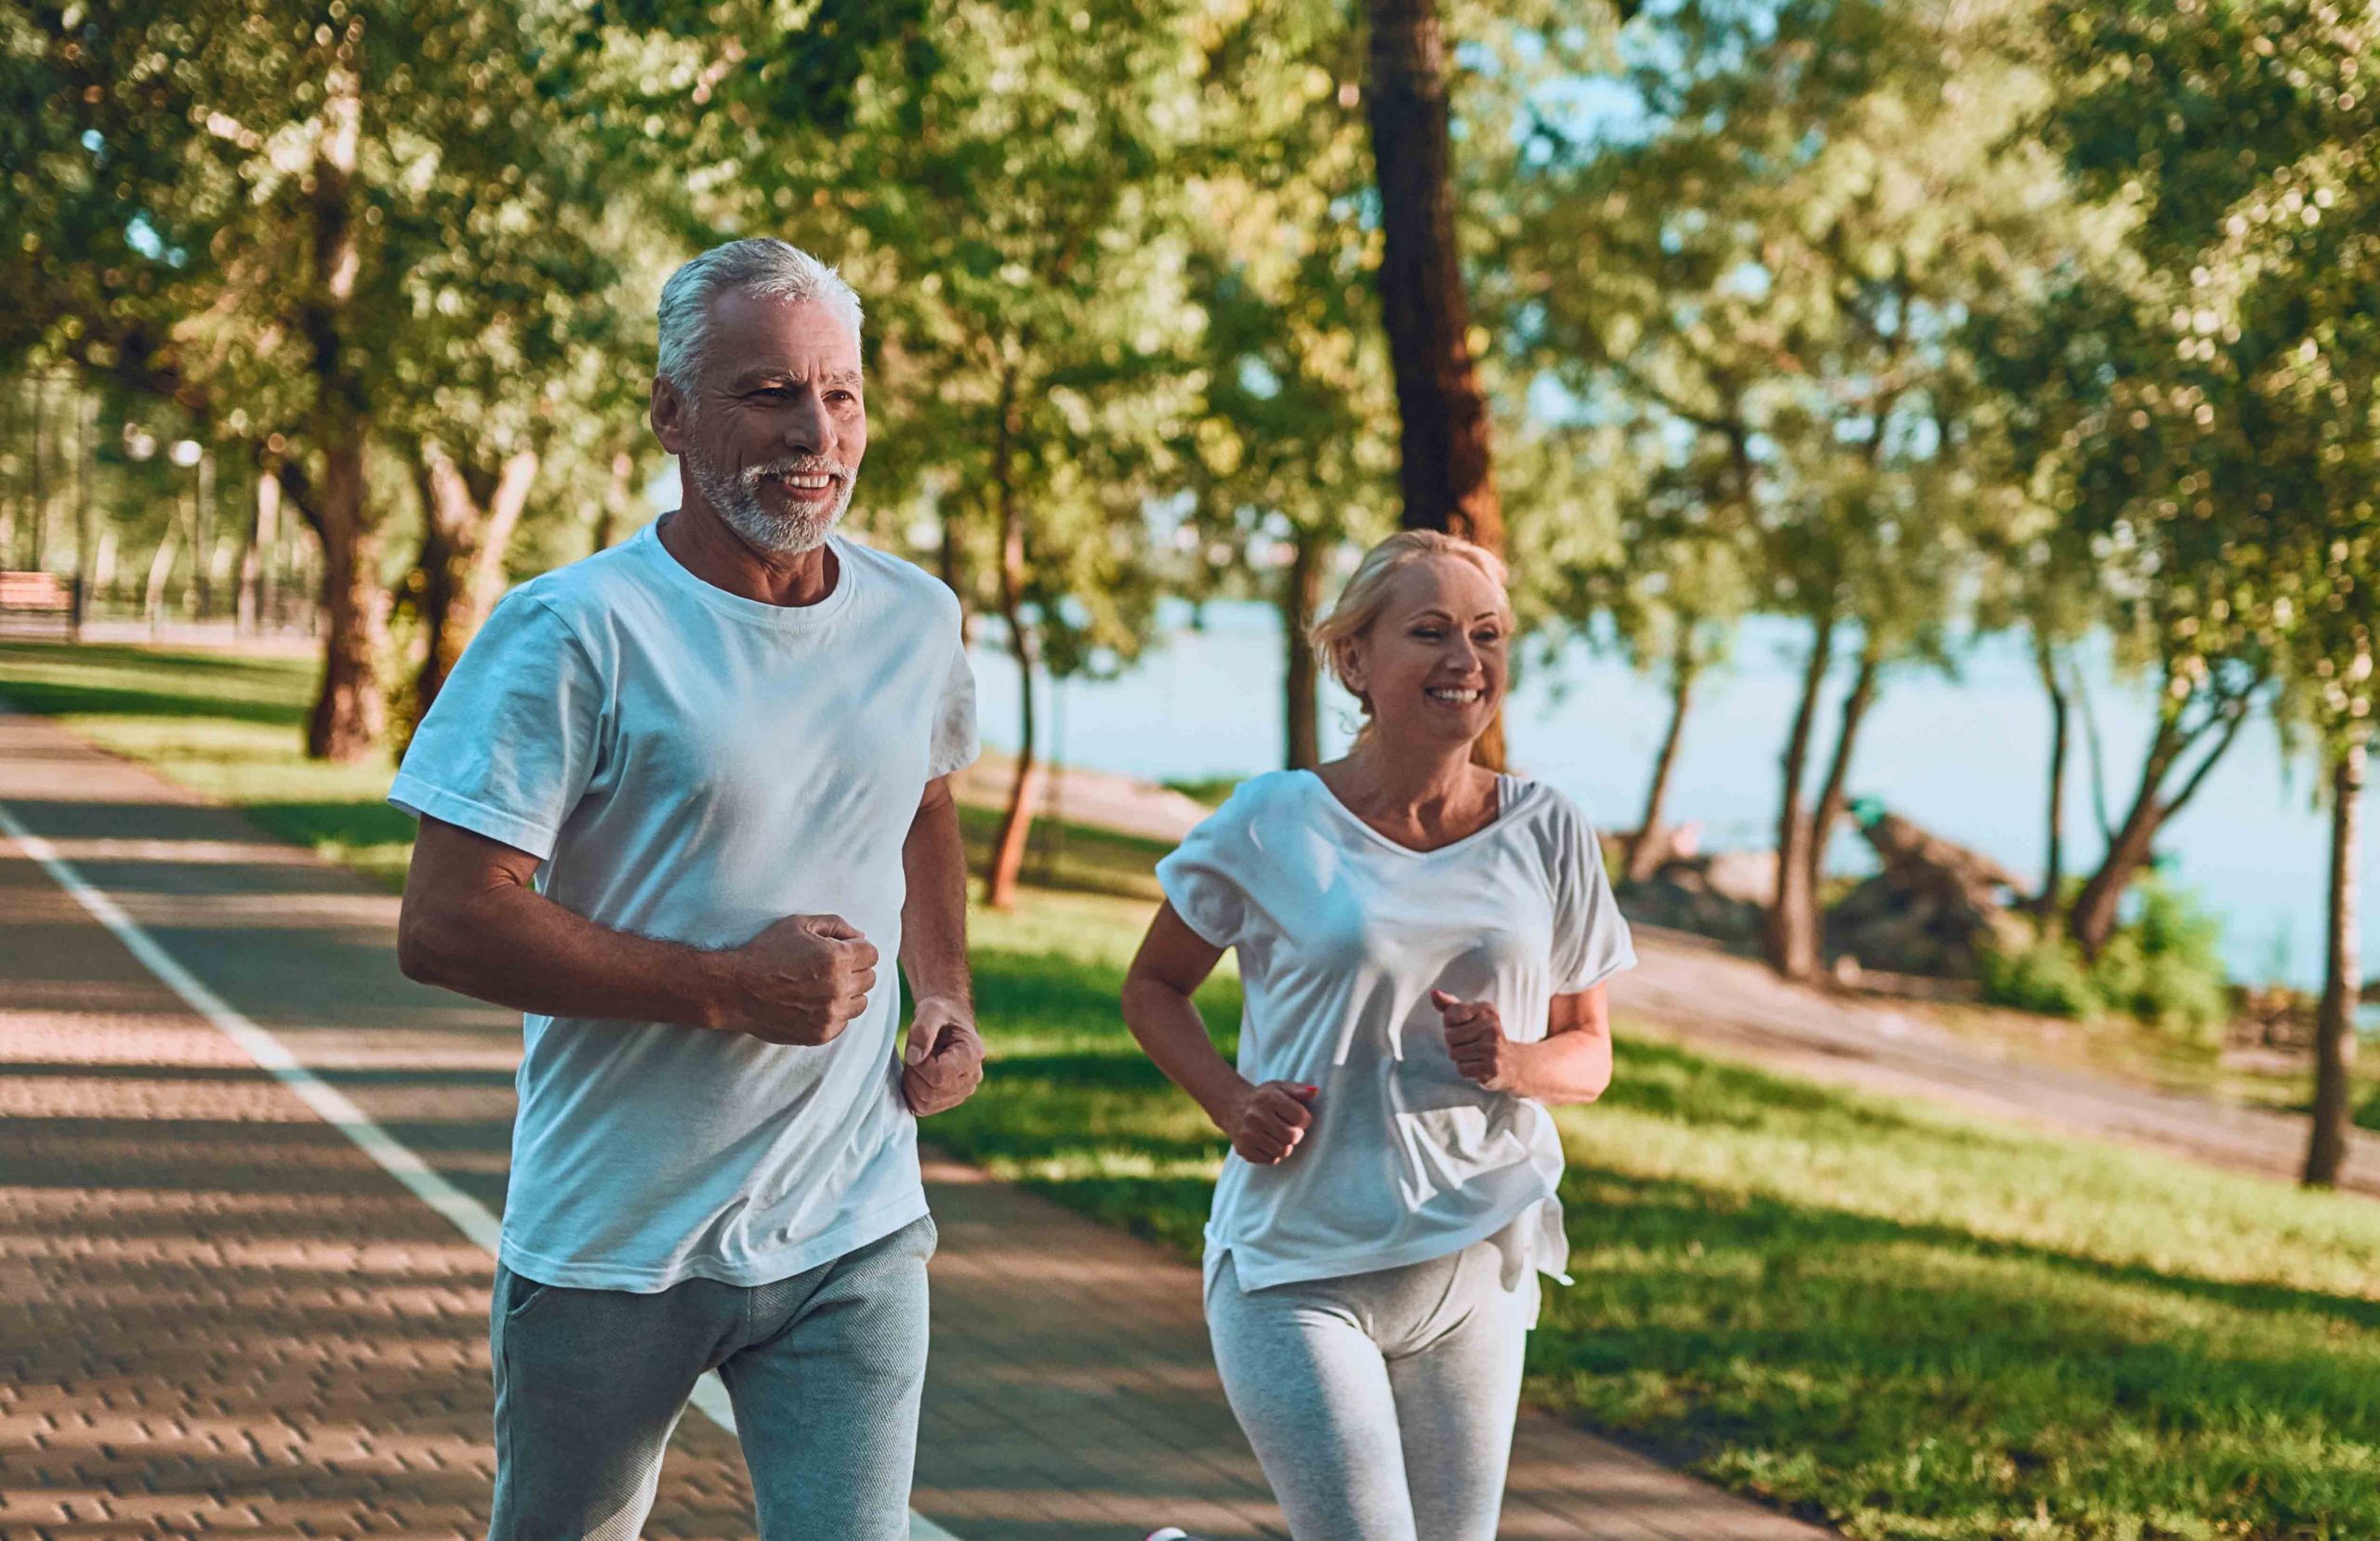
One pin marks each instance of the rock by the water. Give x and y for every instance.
(1935, 905)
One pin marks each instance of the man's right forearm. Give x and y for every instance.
(513, 946)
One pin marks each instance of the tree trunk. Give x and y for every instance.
(2054, 858)
(11, 418)
(1447, 471)
(37, 524)
(1791, 928)
(1651, 846)
(202, 543)
(2093, 918)
(264, 521)
(613, 514)
(1300, 597)
(2342, 984)
(1016, 823)
(160, 567)
(952, 561)
(348, 714)
(1447, 477)
(1836, 793)
(87, 464)
(468, 517)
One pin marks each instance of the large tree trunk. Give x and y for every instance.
(468, 517)
(2054, 858)
(348, 714)
(1651, 843)
(1016, 823)
(2342, 984)
(1447, 473)
(1836, 794)
(1792, 931)
(1300, 597)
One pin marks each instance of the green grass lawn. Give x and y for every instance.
(1918, 1324)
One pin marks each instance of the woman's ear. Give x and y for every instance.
(1349, 660)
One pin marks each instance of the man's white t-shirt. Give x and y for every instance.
(694, 766)
(1342, 934)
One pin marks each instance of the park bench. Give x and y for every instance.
(39, 601)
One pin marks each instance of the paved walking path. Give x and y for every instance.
(218, 1311)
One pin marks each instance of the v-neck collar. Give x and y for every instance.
(1505, 787)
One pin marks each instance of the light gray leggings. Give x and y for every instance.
(1380, 1404)
(824, 1370)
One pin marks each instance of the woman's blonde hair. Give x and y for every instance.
(1366, 596)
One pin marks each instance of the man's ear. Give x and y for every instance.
(670, 414)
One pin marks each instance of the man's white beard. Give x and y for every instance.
(737, 500)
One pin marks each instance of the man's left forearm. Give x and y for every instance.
(934, 917)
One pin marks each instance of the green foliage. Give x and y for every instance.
(2164, 967)
(1211, 790)
(2048, 977)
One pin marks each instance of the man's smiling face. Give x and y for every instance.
(778, 427)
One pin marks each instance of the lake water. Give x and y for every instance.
(1969, 758)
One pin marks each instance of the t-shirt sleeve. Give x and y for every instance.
(1591, 940)
(1202, 879)
(509, 746)
(955, 744)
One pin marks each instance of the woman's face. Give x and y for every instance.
(1433, 663)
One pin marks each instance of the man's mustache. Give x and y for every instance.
(808, 465)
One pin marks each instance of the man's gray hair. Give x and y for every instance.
(761, 266)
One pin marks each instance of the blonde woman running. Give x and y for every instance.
(1423, 944)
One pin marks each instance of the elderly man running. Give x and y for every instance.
(678, 803)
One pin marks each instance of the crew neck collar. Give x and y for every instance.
(756, 612)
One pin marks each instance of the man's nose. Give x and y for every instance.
(808, 428)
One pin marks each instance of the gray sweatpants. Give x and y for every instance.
(1380, 1404)
(824, 1370)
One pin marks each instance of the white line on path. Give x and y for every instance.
(470, 1216)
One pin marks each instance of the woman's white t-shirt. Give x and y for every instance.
(1342, 934)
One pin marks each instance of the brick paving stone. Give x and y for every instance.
(218, 1317)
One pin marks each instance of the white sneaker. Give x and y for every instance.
(1171, 1533)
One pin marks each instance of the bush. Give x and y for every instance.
(1214, 791)
(2164, 967)
(2047, 977)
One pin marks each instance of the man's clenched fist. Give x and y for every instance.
(943, 1062)
(800, 982)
